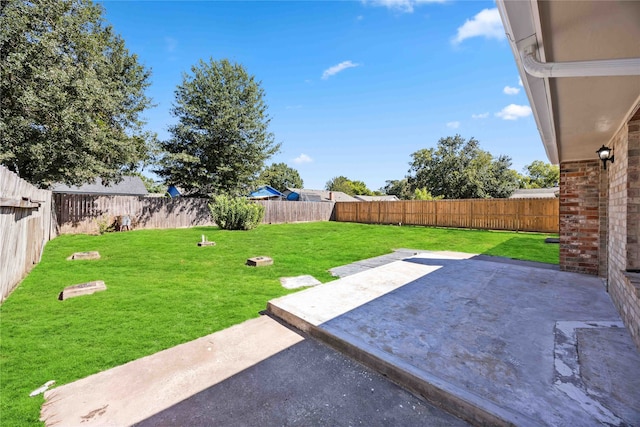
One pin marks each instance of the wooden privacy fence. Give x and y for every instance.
(26, 225)
(277, 212)
(29, 217)
(79, 213)
(540, 215)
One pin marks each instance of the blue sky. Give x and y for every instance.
(353, 87)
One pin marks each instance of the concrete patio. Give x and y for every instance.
(493, 341)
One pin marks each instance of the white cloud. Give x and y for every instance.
(302, 158)
(514, 112)
(453, 125)
(359, 18)
(520, 81)
(480, 116)
(486, 24)
(337, 68)
(170, 44)
(406, 6)
(511, 90)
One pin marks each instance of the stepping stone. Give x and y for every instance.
(205, 242)
(82, 289)
(299, 282)
(259, 261)
(85, 255)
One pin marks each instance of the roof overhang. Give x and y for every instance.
(576, 115)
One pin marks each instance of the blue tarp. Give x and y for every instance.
(265, 193)
(173, 191)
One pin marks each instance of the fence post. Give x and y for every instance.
(404, 211)
(435, 213)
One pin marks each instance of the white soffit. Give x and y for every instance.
(576, 115)
(520, 19)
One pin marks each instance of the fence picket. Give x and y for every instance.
(24, 230)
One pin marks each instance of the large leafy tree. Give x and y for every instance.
(397, 187)
(539, 174)
(71, 94)
(222, 139)
(347, 186)
(280, 176)
(340, 183)
(459, 169)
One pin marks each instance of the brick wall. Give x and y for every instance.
(617, 206)
(624, 230)
(603, 212)
(580, 216)
(600, 221)
(633, 194)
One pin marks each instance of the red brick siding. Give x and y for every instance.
(633, 196)
(580, 216)
(623, 206)
(603, 210)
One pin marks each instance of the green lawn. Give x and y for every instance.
(164, 290)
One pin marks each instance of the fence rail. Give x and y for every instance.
(540, 215)
(26, 225)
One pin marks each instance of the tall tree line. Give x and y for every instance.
(72, 94)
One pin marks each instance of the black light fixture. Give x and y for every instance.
(604, 153)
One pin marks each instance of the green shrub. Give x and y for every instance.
(235, 213)
(106, 224)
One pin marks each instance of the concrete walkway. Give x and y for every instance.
(495, 343)
(256, 373)
(137, 390)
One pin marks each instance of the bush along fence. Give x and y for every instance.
(541, 215)
(26, 225)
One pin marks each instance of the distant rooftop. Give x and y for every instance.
(306, 195)
(535, 193)
(129, 186)
(385, 198)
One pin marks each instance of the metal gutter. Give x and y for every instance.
(593, 68)
(527, 33)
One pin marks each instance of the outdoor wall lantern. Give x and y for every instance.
(604, 153)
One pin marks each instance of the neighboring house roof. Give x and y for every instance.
(266, 192)
(129, 186)
(574, 115)
(174, 191)
(536, 193)
(305, 195)
(385, 198)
